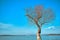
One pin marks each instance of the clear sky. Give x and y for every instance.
(13, 20)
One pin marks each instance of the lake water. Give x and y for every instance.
(46, 37)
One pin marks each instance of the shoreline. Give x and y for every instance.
(34, 35)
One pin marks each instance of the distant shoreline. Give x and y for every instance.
(54, 34)
(32, 35)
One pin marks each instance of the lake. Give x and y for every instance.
(32, 37)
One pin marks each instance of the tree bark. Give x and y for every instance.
(38, 34)
(39, 30)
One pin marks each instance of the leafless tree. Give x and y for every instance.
(39, 16)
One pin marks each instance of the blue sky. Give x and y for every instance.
(13, 19)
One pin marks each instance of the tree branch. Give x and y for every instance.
(29, 16)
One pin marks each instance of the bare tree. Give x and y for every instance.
(39, 16)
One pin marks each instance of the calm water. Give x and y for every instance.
(29, 37)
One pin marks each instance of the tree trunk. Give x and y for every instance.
(38, 34)
(39, 30)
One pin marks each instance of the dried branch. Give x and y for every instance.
(29, 16)
(39, 15)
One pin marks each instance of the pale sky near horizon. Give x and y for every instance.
(14, 22)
